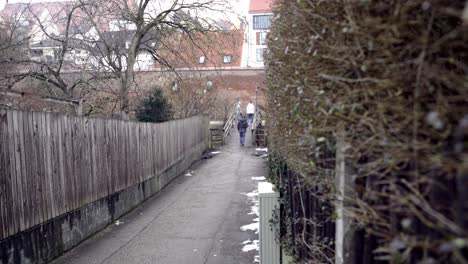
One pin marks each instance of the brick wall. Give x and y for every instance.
(230, 84)
(242, 87)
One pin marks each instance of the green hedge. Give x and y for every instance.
(394, 76)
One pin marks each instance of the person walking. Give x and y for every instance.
(242, 125)
(239, 108)
(250, 110)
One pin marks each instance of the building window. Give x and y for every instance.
(260, 53)
(37, 52)
(261, 38)
(261, 22)
(227, 59)
(202, 59)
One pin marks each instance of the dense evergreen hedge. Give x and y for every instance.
(393, 75)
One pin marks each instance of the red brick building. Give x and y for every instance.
(217, 56)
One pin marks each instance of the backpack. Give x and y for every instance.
(243, 123)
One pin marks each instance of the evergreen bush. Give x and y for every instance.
(154, 108)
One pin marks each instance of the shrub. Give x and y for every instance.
(154, 108)
(393, 76)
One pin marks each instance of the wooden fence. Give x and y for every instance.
(51, 164)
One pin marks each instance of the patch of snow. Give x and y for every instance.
(215, 152)
(253, 197)
(252, 226)
(252, 245)
(195, 250)
(265, 187)
(261, 178)
(253, 194)
(254, 210)
(261, 149)
(118, 222)
(189, 173)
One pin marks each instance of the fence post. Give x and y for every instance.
(344, 182)
(268, 202)
(79, 108)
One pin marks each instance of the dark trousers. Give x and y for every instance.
(242, 136)
(250, 118)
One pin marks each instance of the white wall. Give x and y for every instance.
(249, 49)
(117, 25)
(144, 61)
(48, 25)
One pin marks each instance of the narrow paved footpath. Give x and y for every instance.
(204, 216)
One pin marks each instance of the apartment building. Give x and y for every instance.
(258, 26)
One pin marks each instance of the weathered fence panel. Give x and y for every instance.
(51, 164)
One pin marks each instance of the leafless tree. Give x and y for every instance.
(147, 25)
(54, 73)
(224, 106)
(13, 41)
(192, 96)
(116, 34)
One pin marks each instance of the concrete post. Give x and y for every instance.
(269, 247)
(344, 182)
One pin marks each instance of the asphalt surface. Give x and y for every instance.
(195, 219)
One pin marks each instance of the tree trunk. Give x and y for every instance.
(127, 77)
(124, 103)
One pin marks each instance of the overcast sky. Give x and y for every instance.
(241, 6)
(3, 2)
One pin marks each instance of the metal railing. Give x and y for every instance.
(259, 134)
(219, 133)
(256, 120)
(228, 126)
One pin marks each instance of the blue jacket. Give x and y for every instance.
(242, 125)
